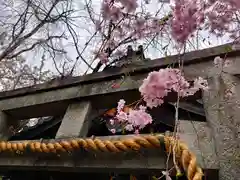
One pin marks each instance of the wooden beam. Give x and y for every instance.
(75, 122)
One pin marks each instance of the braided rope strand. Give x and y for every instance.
(186, 158)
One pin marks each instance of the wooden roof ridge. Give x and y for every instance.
(146, 66)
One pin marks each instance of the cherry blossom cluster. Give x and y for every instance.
(121, 25)
(113, 10)
(134, 120)
(188, 15)
(159, 83)
(219, 16)
(154, 88)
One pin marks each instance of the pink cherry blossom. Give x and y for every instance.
(139, 118)
(136, 131)
(113, 131)
(129, 5)
(110, 11)
(111, 121)
(187, 16)
(129, 127)
(115, 85)
(159, 83)
(134, 119)
(120, 106)
(122, 116)
(103, 57)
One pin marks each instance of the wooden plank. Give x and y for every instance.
(189, 58)
(75, 122)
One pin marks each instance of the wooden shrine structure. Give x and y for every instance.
(209, 123)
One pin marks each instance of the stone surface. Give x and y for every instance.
(3, 126)
(198, 56)
(75, 122)
(223, 117)
(198, 137)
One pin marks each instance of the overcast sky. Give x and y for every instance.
(85, 30)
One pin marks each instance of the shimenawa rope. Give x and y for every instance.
(186, 158)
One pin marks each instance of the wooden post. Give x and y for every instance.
(75, 121)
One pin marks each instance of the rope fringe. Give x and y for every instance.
(186, 158)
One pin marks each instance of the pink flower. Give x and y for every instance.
(129, 5)
(116, 85)
(120, 106)
(187, 16)
(111, 121)
(122, 116)
(109, 11)
(129, 127)
(136, 131)
(158, 83)
(113, 131)
(103, 57)
(139, 118)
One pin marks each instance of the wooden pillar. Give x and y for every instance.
(75, 121)
(223, 117)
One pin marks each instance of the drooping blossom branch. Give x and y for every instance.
(120, 24)
(153, 90)
(159, 83)
(217, 16)
(134, 119)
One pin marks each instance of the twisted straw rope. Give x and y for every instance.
(186, 159)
